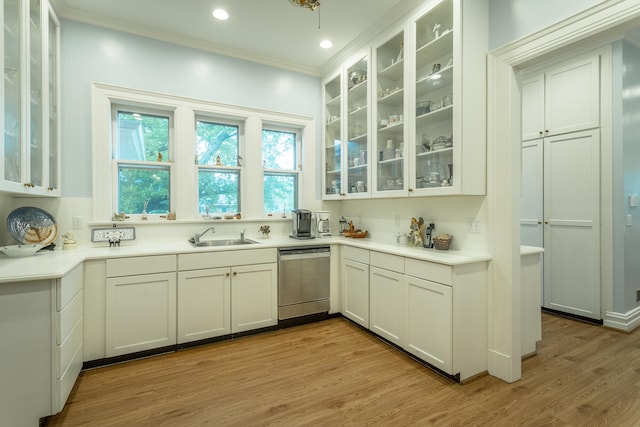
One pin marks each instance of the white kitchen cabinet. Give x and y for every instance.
(226, 292)
(30, 160)
(355, 285)
(41, 334)
(561, 99)
(204, 304)
(387, 299)
(254, 297)
(429, 327)
(347, 131)
(140, 304)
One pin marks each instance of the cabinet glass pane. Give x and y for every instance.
(434, 98)
(390, 114)
(35, 90)
(357, 127)
(53, 103)
(12, 82)
(332, 138)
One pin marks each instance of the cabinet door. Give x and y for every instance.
(533, 107)
(429, 323)
(254, 297)
(357, 127)
(572, 96)
(389, 115)
(572, 223)
(333, 137)
(531, 195)
(355, 282)
(386, 304)
(204, 304)
(141, 313)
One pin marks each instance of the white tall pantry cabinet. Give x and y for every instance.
(560, 199)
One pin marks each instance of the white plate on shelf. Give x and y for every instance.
(31, 225)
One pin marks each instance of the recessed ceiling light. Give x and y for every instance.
(326, 44)
(220, 14)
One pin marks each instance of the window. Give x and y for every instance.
(141, 155)
(217, 156)
(280, 150)
(196, 159)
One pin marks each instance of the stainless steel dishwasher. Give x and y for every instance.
(303, 281)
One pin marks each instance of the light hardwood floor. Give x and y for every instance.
(333, 373)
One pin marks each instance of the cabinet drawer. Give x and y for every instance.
(68, 286)
(356, 254)
(216, 259)
(68, 349)
(140, 265)
(387, 261)
(68, 317)
(435, 272)
(65, 383)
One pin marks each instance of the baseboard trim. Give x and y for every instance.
(626, 322)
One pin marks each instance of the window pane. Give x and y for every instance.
(141, 137)
(218, 191)
(216, 139)
(278, 150)
(280, 192)
(138, 185)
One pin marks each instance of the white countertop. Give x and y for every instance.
(57, 263)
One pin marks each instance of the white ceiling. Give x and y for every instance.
(275, 32)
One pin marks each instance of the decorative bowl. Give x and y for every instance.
(17, 251)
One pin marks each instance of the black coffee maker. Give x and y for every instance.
(301, 224)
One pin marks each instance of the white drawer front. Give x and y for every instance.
(132, 266)
(387, 261)
(64, 385)
(432, 271)
(216, 259)
(356, 254)
(68, 286)
(67, 351)
(68, 317)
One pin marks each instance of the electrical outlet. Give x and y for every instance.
(77, 222)
(473, 226)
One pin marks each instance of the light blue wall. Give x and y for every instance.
(94, 54)
(631, 166)
(510, 20)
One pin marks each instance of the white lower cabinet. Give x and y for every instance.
(436, 312)
(387, 300)
(355, 282)
(429, 323)
(204, 302)
(254, 297)
(140, 305)
(41, 334)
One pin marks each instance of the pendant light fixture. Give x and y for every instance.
(311, 4)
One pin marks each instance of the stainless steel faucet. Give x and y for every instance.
(242, 235)
(196, 237)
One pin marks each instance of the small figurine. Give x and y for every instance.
(144, 210)
(119, 216)
(68, 242)
(159, 157)
(218, 162)
(436, 31)
(171, 216)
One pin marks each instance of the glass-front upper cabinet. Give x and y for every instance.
(435, 93)
(448, 150)
(333, 137)
(390, 171)
(12, 105)
(30, 147)
(357, 127)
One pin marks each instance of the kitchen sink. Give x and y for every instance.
(223, 242)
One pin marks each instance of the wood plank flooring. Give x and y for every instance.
(334, 373)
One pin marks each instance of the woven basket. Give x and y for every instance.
(442, 244)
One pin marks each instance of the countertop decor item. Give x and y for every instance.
(29, 225)
(442, 242)
(17, 251)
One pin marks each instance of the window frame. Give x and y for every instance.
(184, 193)
(166, 164)
(296, 172)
